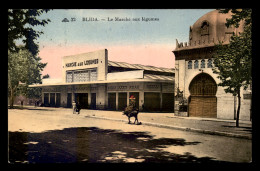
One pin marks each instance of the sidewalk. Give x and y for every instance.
(168, 120)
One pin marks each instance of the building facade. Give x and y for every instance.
(97, 83)
(193, 70)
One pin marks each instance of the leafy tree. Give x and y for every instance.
(233, 62)
(24, 66)
(23, 70)
(20, 23)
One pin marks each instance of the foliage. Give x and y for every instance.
(233, 61)
(23, 70)
(46, 76)
(20, 23)
(24, 66)
(233, 64)
(238, 15)
(179, 94)
(17, 73)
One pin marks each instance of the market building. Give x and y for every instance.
(194, 76)
(97, 83)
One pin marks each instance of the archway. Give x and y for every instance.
(203, 100)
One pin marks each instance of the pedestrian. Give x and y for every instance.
(78, 108)
(74, 107)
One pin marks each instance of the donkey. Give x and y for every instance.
(132, 113)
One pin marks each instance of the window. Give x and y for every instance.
(85, 75)
(204, 28)
(202, 65)
(93, 75)
(190, 65)
(81, 75)
(209, 63)
(69, 77)
(76, 76)
(196, 64)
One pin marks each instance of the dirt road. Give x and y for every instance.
(49, 135)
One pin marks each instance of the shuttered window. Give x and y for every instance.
(81, 75)
(93, 75)
(69, 77)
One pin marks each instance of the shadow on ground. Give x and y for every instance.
(94, 145)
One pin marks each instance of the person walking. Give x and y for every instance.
(78, 108)
(74, 107)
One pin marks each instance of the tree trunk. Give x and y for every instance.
(11, 101)
(12, 92)
(238, 108)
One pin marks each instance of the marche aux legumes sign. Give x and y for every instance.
(86, 62)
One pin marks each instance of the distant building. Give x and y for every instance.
(97, 83)
(194, 75)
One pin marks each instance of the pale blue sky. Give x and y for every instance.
(147, 43)
(173, 24)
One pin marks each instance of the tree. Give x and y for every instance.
(20, 23)
(24, 66)
(23, 69)
(233, 62)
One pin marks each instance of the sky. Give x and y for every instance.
(125, 33)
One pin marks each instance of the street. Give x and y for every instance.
(49, 135)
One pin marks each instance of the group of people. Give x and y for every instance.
(76, 107)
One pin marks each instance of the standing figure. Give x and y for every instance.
(74, 107)
(78, 108)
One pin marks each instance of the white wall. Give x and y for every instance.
(225, 101)
(180, 74)
(101, 55)
(51, 80)
(101, 96)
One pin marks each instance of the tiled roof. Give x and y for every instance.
(138, 66)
